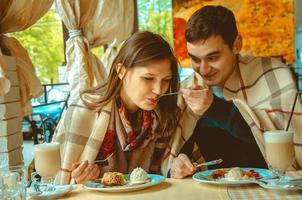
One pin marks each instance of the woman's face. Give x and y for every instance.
(142, 85)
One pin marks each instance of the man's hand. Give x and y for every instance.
(182, 167)
(198, 98)
(83, 172)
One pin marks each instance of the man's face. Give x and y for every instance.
(213, 59)
(142, 85)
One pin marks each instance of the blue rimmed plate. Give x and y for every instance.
(205, 177)
(154, 179)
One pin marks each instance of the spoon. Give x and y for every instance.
(34, 189)
(168, 94)
(213, 162)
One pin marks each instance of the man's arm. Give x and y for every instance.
(228, 117)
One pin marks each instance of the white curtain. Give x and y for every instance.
(91, 24)
(18, 15)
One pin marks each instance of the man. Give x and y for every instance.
(241, 97)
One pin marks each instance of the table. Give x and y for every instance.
(178, 189)
(246, 192)
(175, 189)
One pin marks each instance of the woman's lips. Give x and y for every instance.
(153, 100)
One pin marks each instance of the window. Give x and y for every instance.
(44, 44)
(156, 16)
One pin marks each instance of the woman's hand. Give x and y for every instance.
(83, 172)
(182, 167)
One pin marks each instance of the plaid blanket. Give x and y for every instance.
(81, 133)
(263, 89)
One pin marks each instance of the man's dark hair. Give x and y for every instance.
(209, 21)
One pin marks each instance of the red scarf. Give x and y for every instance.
(133, 138)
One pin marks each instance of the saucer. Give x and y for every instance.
(59, 191)
(283, 186)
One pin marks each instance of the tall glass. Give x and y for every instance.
(47, 163)
(279, 150)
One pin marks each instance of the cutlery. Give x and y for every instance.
(168, 94)
(34, 189)
(292, 183)
(100, 161)
(288, 181)
(213, 162)
(295, 180)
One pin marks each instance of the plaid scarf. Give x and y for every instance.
(132, 137)
(83, 133)
(263, 90)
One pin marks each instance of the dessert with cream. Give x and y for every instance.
(235, 174)
(138, 176)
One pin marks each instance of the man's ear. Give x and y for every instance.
(120, 70)
(237, 46)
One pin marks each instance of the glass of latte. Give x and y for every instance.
(47, 163)
(279, 150)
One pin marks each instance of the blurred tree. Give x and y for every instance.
(44, 43)
(44, 40)
(156, 16)
(98, 51)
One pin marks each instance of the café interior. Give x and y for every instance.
(31, 106)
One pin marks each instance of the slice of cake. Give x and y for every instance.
(113, 179)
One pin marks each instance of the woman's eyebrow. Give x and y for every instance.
(150, 74)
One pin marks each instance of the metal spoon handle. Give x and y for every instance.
(213, 162)
(168, 94)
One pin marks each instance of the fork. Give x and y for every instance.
(100, 161)
(213, 162)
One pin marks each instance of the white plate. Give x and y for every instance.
(96, 185)
(203, 177)
(60, 191)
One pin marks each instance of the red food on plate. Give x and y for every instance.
(252, 174)
(219, 173)
(235, 173)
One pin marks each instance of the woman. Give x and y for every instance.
(123, 123)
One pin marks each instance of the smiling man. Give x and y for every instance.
(242, 96)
